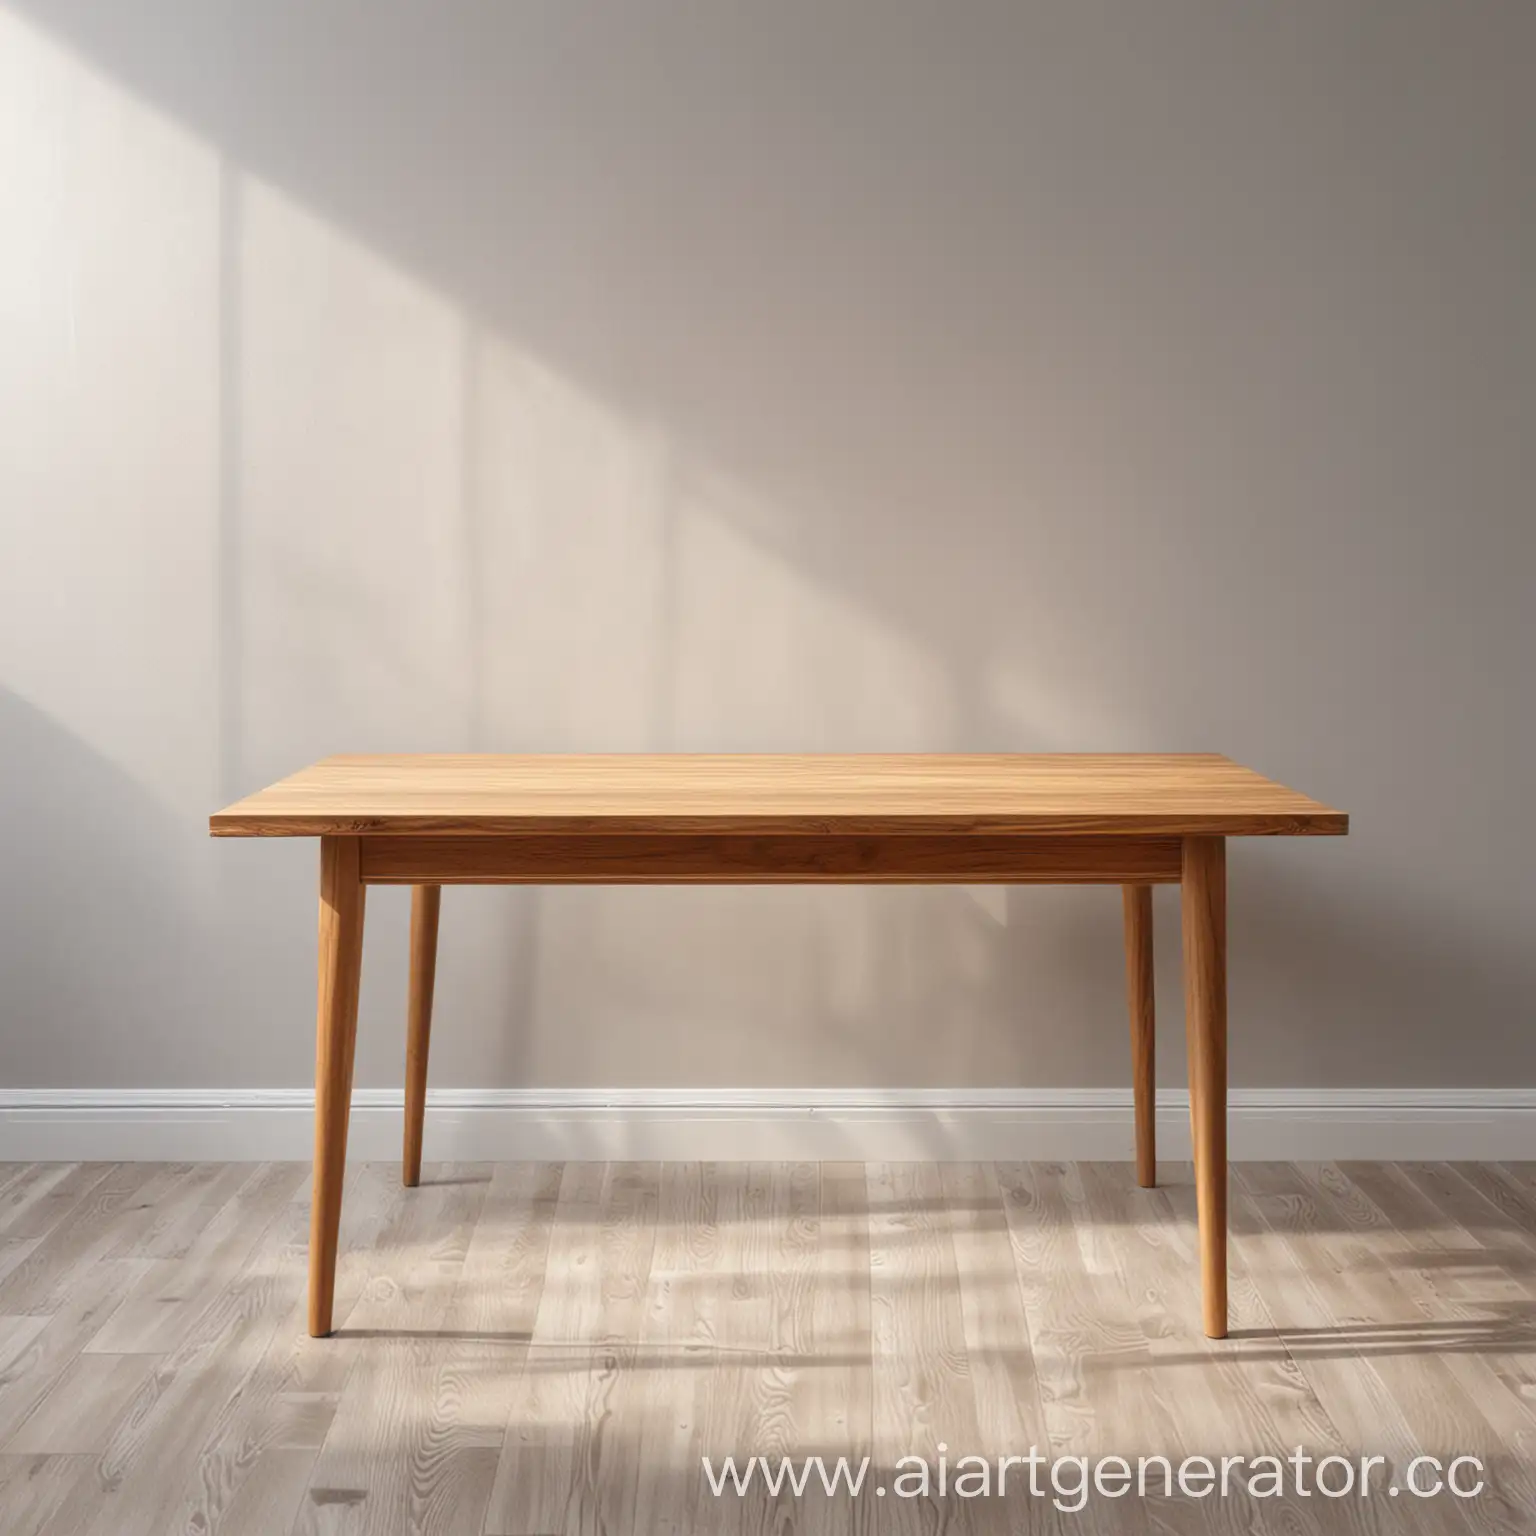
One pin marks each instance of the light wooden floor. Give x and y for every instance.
(533, 1349)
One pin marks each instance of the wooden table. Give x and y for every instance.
(1132, 820)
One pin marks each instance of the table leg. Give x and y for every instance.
(1205, 1013)
(341, 955)
(426, 902)
(1139, 994)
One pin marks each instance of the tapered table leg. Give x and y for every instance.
(1139, 994)
(1205, 1011)
(341, 955)
(426, 903)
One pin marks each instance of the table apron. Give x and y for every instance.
(753, 859)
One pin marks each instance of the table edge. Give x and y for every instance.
(1321, 822)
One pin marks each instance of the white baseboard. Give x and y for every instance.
(185, 1125)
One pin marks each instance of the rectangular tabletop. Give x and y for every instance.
(1056, 794)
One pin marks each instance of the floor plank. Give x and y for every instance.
(39, 1195)
(175, 1291)
(278, 1420)
(608, 1448)
(32, 1489)
(37, 1348)
(1364, 1353)
(536, 1475)
(527, 1349)
(78, 1413)
(924, 1399)
(387, 1459)
(119, 1203)
(679, 1331)
(158, 1444)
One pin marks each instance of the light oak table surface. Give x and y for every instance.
(1127, 819)
(1197, 792)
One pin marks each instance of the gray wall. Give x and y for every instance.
(787, 375)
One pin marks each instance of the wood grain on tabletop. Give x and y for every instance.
(1063, 793)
